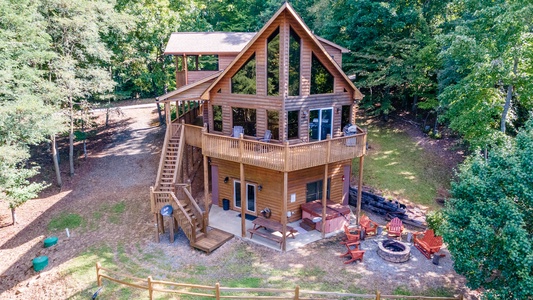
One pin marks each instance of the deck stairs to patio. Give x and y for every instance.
(170, 189)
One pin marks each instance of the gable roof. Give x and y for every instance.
(288, 7)
(332, 44)
(207, 42)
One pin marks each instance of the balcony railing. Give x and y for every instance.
(281, 157)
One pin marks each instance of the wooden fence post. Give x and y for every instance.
(98, 278)
(217, 291)
(461, 297)
(297, 292)
(150, 291)
(378, 295)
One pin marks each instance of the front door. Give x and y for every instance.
(250, 196)
(320, 123)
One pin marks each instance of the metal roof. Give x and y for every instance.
(207, 42)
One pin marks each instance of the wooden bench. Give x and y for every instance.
(266, 235)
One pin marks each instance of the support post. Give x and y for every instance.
(360, 188)
(325, 187)
(285, 197)
(150, 289)
(98, 278)
(217, 291)
(156, 228)
(297, 292)
(206, 192)
(243, 188)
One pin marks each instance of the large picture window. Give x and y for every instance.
(273, 123)
(273, 64)
(244, 81)
(294, 64)
(293, 130)
(217, 118)
(245, 117)
(321, 78)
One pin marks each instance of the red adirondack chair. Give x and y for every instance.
(368, 225)
(354, 252)
(352, 235)
(395, 228)
(427, 242)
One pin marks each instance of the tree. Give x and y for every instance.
(487, 75)
(26, 114)
(385, 39)
(489, 220)
(79, 68)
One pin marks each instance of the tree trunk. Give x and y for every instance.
(414, 107)
(508, 98)
(161, 119)
(13, 215)
(56, 161)
(71, 137)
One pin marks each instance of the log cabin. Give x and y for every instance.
(276, 131)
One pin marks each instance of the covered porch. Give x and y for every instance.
(230, 221)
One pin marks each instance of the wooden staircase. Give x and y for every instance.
(187, 215)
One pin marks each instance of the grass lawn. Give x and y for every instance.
(399, 168)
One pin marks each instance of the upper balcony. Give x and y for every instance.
(276, 156)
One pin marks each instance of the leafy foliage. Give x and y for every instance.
(489, 221)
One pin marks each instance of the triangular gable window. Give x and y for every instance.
(321, 78)
(244, 81)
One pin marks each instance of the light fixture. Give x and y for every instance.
(304, 114)
(259, 187)
(338, 110)
(226, 179)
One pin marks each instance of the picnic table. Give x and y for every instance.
(270, 226)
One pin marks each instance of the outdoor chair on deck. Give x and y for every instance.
(266, 138)
(368, 225)
(354, 251)
(395, 228)
(237, 130)
(427, 242)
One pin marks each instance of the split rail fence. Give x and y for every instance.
(219, 292)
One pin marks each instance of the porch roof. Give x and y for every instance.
(189, 92)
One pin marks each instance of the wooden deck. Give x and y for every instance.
(212, 240)
(275, 156)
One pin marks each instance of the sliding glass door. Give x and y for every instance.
(320, 123)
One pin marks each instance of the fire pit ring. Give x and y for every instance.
(394, 251)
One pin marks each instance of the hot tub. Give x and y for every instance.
(337, 215)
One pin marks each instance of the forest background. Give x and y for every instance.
(461, 65)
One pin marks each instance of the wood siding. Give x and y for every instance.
(271, 194)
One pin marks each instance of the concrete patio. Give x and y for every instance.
(229, 221)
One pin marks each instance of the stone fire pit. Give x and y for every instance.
(394, 251)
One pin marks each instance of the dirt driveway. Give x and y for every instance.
(121, 166)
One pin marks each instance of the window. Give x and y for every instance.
(273, 123)
(243, 82)
(202, 62)
(273, 64)
(314, 190)
(294, 64)
(293, 124)
(345, 117)
(321, 78)
(217, 118)
(245, 117)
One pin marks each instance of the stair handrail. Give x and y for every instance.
(164, 150)
(190, 222)
(198, 211)
(180, 153)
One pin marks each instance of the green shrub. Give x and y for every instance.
(435, 221)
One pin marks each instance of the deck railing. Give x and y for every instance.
(283, 157)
